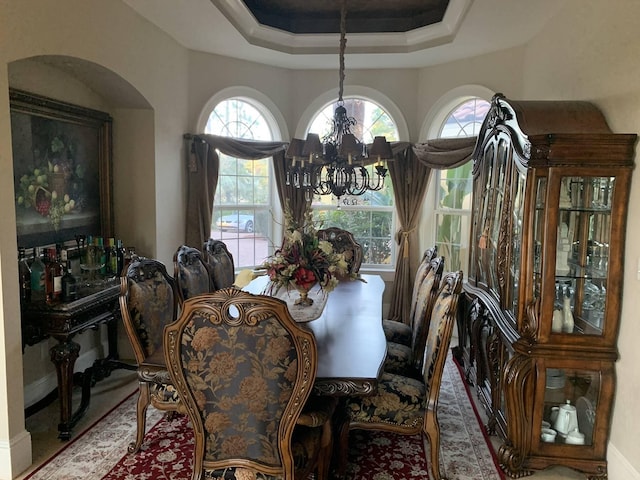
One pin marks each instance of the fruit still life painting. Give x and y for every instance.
(57, 182)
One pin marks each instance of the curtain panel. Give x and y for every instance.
(203, 168)
(410, 172)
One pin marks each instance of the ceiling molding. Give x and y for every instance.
(441, 33)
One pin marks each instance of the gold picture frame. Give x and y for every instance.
(62, 164)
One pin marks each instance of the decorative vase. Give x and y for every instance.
(304, 299)
(567, 322)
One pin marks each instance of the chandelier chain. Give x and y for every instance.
(343, 45)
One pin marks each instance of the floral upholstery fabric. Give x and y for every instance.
(164, 392)
(402, 401)
(401, 359)
(399, 402)
(303, 444)
(244, 370)
(220, 262)
(241, 378)
(191, 273)
(399, 332)
(151, 304)
(425, 299)
(398, 360)
(148, 304)
(439, 333)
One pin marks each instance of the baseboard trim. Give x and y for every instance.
(42, 387)
(15, 455)
(619, 467)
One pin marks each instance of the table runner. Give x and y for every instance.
(303, 313)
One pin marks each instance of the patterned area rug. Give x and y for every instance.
(166, 454)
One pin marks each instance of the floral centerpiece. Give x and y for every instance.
(304, 260)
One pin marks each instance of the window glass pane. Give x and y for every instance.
(242, 204)
(466, 119)
(453, 198)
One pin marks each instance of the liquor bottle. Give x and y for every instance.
(112, 258)
(53, 278)
(24, 274)
(101, 255)
(37, 274)
(120, 253)
(69, 282)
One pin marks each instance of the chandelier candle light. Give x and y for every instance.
(336, 165)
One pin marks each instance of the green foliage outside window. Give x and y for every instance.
(455, 195)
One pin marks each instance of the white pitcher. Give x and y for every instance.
(567, 419)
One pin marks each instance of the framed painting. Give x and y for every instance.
(62, 170)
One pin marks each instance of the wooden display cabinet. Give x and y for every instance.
(539, 327)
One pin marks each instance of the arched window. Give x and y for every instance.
(370, 217)
(454, 186)
(243, 199)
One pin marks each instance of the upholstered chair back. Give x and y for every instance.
(443, 318)
(244, 370)
(191, 273)
(148, 303)
(421, 273)
(220, 263)
(425, 299)
(345, 243)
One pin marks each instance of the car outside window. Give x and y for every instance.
(243, 197)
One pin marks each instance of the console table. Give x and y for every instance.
(95, 306)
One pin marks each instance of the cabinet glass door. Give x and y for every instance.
(582, 254)
(491, 184)
(570, 406)
(517, 218)
(538, 233)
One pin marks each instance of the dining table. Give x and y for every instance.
(347, 325)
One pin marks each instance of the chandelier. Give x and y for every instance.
(337, 163)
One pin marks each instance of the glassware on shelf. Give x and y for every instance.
(93, 264)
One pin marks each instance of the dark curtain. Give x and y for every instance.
(203, 176)
(203, 165)
(410, 173)
(410, 179)
(288, 194)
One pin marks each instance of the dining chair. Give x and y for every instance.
(220, 263)
(147, 304)
(191, 273)
(244, 370)
(408, 360)
(399, 331)
(344, 242)
(408, 406)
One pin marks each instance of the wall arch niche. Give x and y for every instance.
(90, 85)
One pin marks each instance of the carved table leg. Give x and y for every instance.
(64, 356)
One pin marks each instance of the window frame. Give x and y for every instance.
(432, 129)
(273, 210)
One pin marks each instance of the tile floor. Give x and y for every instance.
(109, 392)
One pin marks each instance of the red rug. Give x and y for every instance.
(166, 453)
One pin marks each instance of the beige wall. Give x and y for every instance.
(591, 51)
(155, 91)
